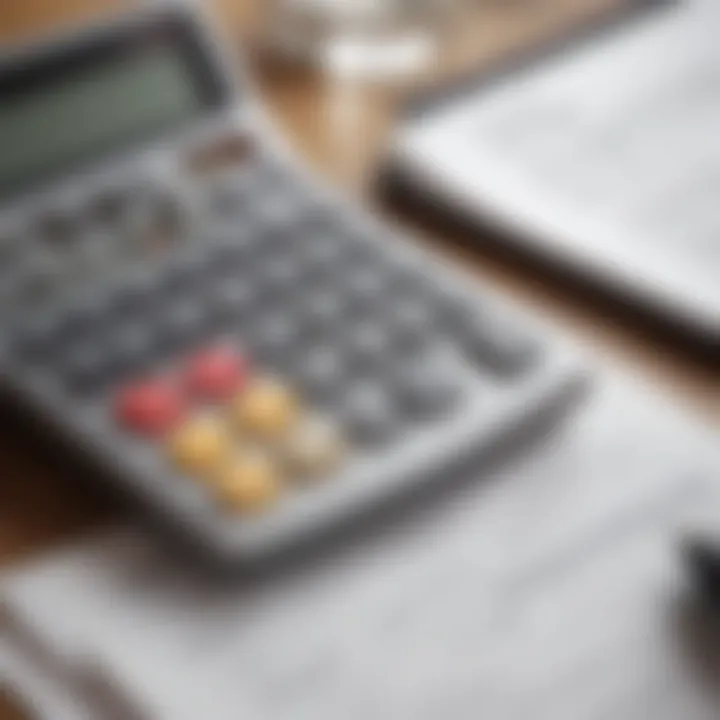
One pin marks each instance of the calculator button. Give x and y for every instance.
(412, 325)
(250, 483)
(217, 374)
(82, 317)
(229, 195)
(86, 368)
(152, 407)
(274, 340)
(135, 294)
(267, 408)
(156, 219)
(184, 322)
(314, 448)
(37, 338)
(280, 275)
(426, 387)
(324, 252)
(201, 445)
(8, 252)
(132, 348)
(364, 285)
(369, 347)
(233, 298)
(369, 414)
(230, 252)
(184, 271)
(40, 279)
(499, 346)
(108, 208)
(324, 312)
(59, 229)
(322, 373)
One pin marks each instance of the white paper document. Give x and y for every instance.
(550, 591)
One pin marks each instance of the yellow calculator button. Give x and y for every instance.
(249, 483)
(314, 448)
(201, 445)
(267, 408)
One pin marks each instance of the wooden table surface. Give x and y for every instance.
(341, 131)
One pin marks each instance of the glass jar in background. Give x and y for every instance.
(365, 39)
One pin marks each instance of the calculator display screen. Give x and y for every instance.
(97, 99)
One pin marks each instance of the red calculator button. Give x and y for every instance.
(152, 407)
(217, 373)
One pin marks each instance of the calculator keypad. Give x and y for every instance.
(270, 353)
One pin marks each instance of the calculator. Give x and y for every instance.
(252, 358)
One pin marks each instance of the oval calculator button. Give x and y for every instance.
(132, 348)
(152, 407)
(412, 325)
(40, 279)
(369, 414)
(369, 347)
(366, 289)
(315, 448)
(280, 275)
(426, 387)
(201, 445)
(184, 271)
(86, 368)
(324, 312)
(498, 345)
(324, 252)
(134, 295)
(322, 373)
(229, 251)
(217, 373)
(184, 322)
(250, 483)
(267, 408)
(233, 298)
(37, 338)
(273, 342)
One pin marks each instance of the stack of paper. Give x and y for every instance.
(551, 591)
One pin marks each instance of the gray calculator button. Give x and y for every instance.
(322, 374)
(183, 323)
(7, 293)
(60, 229)
(108, 208)
(132, 348)
(233, 298)
(97, 251)
(280, 275)
(426, 386)
(86, 368)
(325, 312)
(499, 345)
(230, 194)
(8, 251)
(274, 341)
(156, 219)
(40, 279)
(369, 414)
(413, 325)
(324, 250)
(78, 319)
(37, 338)
(184, 271)
(229, 251)
(369, 347)
(279, 212)
(136, 294)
